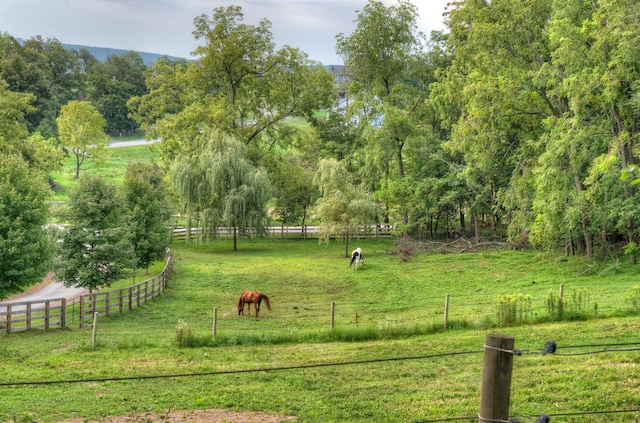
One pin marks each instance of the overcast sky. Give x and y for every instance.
(165, 26)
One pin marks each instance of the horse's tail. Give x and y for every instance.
(241, 301)
(266, 301)
(353, 258)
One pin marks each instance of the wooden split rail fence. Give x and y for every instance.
(291, 232)
(62, 312)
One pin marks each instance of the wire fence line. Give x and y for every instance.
(435, 356)
(467, 310)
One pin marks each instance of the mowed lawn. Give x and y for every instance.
(387, 360)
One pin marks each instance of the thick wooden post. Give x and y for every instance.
(496, 378)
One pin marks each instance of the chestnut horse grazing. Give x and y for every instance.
(252, 297)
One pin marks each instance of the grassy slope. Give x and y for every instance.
(302, 278)
(113, 170)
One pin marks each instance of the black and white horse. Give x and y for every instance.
(357, 258)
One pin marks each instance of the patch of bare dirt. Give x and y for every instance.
(193, 416)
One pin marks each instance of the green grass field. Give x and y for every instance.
(113, 170)
(387, 359)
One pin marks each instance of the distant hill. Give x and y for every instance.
(103, 53)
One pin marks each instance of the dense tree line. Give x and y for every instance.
(53, 103)
(520, 121)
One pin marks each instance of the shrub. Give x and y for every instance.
(555, 306)
(634, 298)
(575, 308)
(514, 309)
(184, 334)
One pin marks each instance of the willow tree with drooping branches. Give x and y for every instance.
(219, 186)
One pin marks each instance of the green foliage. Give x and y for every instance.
(632, 250)
(555, 306)
(239, 85)
(81, 129)
(149, 210)
(634, 298)
(96, 247)
(514, 310)
(26, 249)
(184, 334)
(218, 185)
(44, 70)
(573, 308)
(112, 84)
(342, 205)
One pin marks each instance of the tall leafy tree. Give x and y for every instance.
(44, 68)
(26, 249)
(239, 85)
(343, 204)
(96, 247)
(112, 84)
(219, 186)
(81, 129)
(293, 190)
(149, 209)
(500, 98)
(388, 87)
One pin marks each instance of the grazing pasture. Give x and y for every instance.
(387, 360)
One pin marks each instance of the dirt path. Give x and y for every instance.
(199, 416)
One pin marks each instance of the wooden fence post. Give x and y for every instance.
(215, 322)
(333, 314)
(446, 311)
(9, 319)
(81, 311)
(63, 313)
(496, 378)
(95, 328)
(47, 312)
(561, 302)
(29, 316)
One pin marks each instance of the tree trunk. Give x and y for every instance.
(588, 242)
(235, 239)
(188, 229)
(476, 226)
